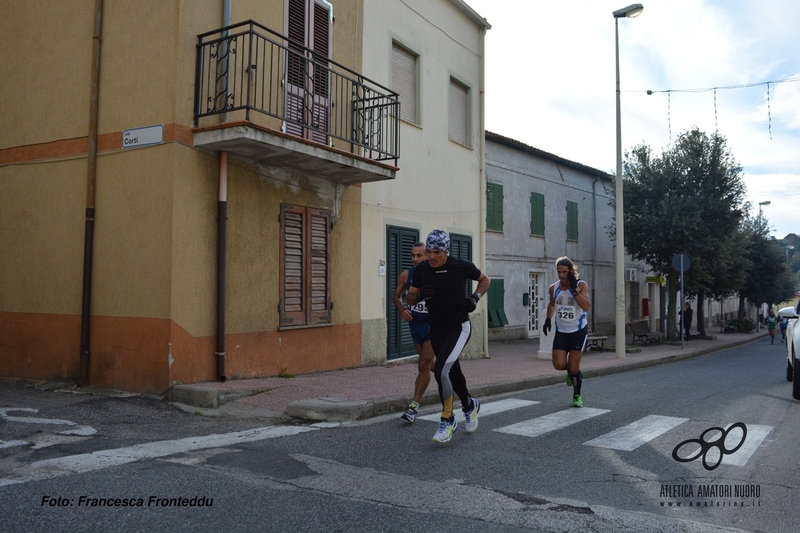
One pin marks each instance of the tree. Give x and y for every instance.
(688, 200)
(769, 279)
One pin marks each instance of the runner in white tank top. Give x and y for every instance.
(569, 301)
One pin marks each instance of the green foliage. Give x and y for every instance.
(284, 374)
(769, 279)
(690, 200)
(744, 325)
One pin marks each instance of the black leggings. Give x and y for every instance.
(448, 345)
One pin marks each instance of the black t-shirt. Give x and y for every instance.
(445, 308)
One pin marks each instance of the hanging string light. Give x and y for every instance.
(769, 113)
(741, 86)
(716, 128)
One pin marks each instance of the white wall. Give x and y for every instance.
(439, 183)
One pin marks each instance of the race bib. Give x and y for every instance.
(566, 312)
(420, 307)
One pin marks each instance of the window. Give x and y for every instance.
(537, 214)
(494, 206)
(304, 266)
(307, 93)
(459, 113)
(404, 81)
(495, 303)
(572, 221)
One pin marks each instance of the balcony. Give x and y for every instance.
(271, 101)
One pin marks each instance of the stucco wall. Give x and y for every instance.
(438, 184)
(155, 243)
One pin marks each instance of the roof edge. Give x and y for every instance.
(471, 14)
(517, 145)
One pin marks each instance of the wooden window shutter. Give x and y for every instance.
(304, 266)
(494, 206)
(572, 221)
(404, 82)
(537, 214)
(293, 297)
(458, 113)
(319, 266)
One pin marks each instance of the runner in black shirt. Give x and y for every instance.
(440, 281)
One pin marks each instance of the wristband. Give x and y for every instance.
(477, 295)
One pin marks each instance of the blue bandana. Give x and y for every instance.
(438, 240)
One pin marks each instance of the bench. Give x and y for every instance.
(641, 333)
(595, 340)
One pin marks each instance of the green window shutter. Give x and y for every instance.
(399, 242)
(537, 214)
(494, 206)
(461, 248)
(572, 221)
(495, 302)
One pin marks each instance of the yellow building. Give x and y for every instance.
(204, 219)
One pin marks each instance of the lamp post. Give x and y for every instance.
(633, 10)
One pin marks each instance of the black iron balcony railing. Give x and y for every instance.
(249, 68)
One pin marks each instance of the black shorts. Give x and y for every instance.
(420, 331)
(571, 342)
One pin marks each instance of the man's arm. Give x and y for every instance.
(405, 314)
(582, 297)
(413, 294)
(483, 284)
(551, 307)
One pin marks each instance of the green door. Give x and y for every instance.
(398, 258)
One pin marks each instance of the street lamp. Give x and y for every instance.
(633, 10)
(759, 207)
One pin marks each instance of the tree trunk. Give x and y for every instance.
(741, 307)
(701, 326)
(672, 285)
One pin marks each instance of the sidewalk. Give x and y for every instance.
(365, 392)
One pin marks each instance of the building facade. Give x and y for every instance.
(204, 222)
(541, 207)
(431, 53)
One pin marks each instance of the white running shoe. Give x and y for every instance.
(471, 415)
(446, 430)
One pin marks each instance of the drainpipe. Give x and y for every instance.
(91, 181)
(221, 249)
(594, 245)
(482, 163)
(222, 216)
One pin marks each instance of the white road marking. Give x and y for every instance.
(88, 462)
(79, 430)
(489, 408)
(755, 436)
(12, 443)
(633, 435)
(545, 424)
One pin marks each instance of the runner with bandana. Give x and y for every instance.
(440, 282)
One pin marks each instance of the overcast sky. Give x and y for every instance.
(550, 83)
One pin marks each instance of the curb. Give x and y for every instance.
(341, 410)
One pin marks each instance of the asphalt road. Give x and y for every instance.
(534, 464)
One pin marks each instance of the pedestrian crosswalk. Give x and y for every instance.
(627, 438)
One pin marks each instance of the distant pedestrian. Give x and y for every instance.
(686, 319)
(772, 323)
(784, 323)
(417, 318)
(440, 282)
(569, 301)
